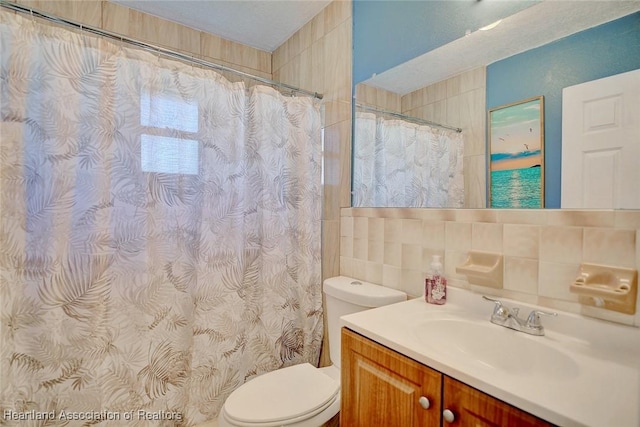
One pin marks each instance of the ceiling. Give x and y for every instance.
(267, 24)
(535, 26)
(263, 24)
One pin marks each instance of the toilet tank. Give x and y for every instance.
(344, 295)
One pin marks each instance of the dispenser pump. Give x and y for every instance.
(436, 283)
(436, 265)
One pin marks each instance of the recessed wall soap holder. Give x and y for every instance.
(483, 268)
(604, 286)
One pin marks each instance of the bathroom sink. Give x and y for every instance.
(556, 377)
(495, 348)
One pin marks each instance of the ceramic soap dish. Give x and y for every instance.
(483, 268)
(608, 287)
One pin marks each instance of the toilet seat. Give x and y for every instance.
(281, 397)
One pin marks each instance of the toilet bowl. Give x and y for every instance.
(300, 395)
(303, 395)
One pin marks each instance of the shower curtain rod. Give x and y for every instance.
(404, 116)
(156, 49)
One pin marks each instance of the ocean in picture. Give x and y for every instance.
(516, 167)
(516, 188)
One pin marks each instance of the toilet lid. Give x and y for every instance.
(281, 395)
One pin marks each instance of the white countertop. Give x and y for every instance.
(599, 388)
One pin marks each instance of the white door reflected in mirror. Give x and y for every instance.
(601, 143)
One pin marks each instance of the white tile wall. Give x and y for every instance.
(542, 249)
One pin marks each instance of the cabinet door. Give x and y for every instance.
(383, 388)
(472, 408)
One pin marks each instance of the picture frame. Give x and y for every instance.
(516, 154)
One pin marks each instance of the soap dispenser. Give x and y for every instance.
(436, 283)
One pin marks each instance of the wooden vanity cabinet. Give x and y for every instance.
(473, 408)
(381, 387)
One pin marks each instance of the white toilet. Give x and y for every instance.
(303, 395)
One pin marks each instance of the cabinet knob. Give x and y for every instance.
(424, 402)
(448, 416)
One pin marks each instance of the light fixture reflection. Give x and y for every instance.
(491, 26)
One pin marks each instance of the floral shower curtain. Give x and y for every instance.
(159, 234)
(398, 163)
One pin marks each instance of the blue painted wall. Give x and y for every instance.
(387, 33)
(601, 51)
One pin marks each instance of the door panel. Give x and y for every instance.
(383, 388)
(601, 143)
(472, 408)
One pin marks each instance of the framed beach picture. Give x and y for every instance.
(516, 158)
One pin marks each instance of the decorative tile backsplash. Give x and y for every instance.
(542, 249)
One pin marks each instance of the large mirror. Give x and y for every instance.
(416, 88)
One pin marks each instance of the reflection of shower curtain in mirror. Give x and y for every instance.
(398, 163)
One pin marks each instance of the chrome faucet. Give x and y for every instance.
(508, 317)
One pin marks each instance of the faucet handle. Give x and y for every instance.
(497, 301)
(499, 310)
(533, 321)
